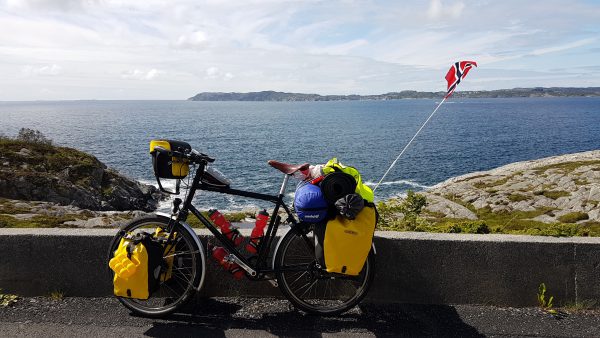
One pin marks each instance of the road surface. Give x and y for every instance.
(268, 317)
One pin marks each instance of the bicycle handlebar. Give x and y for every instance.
(193, 155)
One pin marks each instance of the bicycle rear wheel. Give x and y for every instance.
(308, 286)
(186, 269)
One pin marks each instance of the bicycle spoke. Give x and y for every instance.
(173, 292)
(314, 289)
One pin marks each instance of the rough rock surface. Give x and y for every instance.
(450, 209)
(65, 176)
(551, 187)
(48, 214)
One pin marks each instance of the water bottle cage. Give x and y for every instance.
(255, 242)
(234, 234)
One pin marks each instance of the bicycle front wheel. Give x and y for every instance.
(186, 269)
(308, 286)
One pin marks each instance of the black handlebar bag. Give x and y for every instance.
(164, 163)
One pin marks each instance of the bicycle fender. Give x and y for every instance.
(285, 233)
(277, 247)
(191, 231)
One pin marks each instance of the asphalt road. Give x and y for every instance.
(267, 317)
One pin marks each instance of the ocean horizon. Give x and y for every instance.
(466, 135)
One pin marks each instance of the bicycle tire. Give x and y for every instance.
(192, 260)
(319, 305)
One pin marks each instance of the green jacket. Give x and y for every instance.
(361, 189)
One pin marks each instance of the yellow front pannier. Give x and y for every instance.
(138, 265)
(347, 242)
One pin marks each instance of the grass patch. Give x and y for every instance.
(473, 178)
(56, 295)
(566, 167)
(584, 305)
(40, 221)
(553, 194)
(234, 217)
(517, 197)
(433, 214)
(509, 222)
(573, 217)
(8, 207)
(467, 227)
(484, 185)
(7, 299)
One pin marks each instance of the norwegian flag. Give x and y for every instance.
(456, 73)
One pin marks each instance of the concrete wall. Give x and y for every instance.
(411, 267)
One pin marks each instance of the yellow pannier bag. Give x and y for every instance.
(347, 242)
(363, 190)
(168, 256)
(137, 266)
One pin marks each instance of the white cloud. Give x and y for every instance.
(192, 40)
(45, 70)
(567, 46)
(85, 49)
(212, 72)
(137, 74)
(437, 10)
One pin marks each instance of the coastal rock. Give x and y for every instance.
(450, 209)
(545, 189)
(49, 214)
(65, 176)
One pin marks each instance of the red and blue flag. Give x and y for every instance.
(456, 73)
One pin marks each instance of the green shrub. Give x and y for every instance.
(469, 227)
(7, 299)
(32, 136)
(573, 217)
(411, 207)
(545, 305)
(555, 230)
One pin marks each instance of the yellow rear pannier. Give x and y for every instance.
(347, 242)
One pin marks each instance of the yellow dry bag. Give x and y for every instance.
(347, 242)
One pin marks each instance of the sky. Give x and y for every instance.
(173, 49)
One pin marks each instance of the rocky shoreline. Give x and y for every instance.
(39, 214)
(563, 189)
(36, 171)
(48, 186)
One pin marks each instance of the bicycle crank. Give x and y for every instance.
(231, 258)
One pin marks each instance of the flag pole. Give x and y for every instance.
(409, 142)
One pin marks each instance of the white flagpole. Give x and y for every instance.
(409, 142)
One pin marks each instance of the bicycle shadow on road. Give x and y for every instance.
(214, 316)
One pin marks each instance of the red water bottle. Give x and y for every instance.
(258, 231)
(232, 233)
(219, 254)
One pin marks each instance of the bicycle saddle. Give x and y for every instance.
(288, 168)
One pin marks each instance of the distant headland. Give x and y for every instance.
(405, 94)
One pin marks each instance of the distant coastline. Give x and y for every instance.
(405, 94)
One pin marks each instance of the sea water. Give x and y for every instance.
(465, 135)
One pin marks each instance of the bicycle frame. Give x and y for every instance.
(254, 270)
